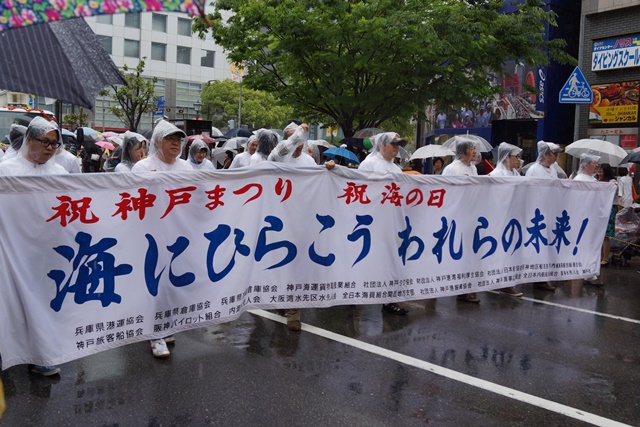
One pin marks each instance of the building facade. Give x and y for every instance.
(610, 61)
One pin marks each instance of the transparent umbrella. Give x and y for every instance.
(608, 152)
(482, 145)
(432, 150)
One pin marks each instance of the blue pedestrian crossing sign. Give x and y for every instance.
(576, 90)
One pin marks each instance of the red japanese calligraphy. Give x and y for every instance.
(436, 198)
(248, 187)
(179, 196)
(413, 195)
(283, 186)
(393, 196)
(70, 210)
(132, 204)
(355, 193)
(216, 196)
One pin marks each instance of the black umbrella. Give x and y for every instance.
(62, 60)
(234, 133)
(631, 158)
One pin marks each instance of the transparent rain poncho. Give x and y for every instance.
(283, 152)
(538, 169)
(545, 148)
(161, 131)
(267, 141)
(196, 147)
(156, 161)
(586, 159)
(503, 166)
(130, 142)
(21, 164)
(243, 159)
(458, 167)
(16, 137)
(375, 161)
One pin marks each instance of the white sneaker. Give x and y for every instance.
(170, 339)
(159, 348)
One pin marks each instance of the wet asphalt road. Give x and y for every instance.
(573, 351)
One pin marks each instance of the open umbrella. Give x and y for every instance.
(482, 145)
(233, 133)
(608, 152)
(218, 155)
(432, 150)
(367, 132)
(216, 132)
(26, 12)
(62, 60)
(633, 157)
(89, 131)
(105, 144)
(109, 134)
(205, 138)
(341, 152)
(320, 142)
(235, 143)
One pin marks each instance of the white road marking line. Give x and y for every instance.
(451, 374)
(569, 307)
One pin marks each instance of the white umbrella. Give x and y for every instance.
(431, 150)
(403, 154)
(482, 145)
(320, 142)
(215, 132)
(218, 155)
(608, 152)
(235, 143)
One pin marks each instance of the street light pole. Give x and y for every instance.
(103, 110)
(197, 106)
(240, 106)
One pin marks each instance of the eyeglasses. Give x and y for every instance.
(49, 143)
(173, 138)
(517, 156)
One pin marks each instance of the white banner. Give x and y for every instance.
(95, 261)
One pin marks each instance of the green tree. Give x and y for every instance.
(134, 99)
(259, 109)
(81, 118)
(362, 62)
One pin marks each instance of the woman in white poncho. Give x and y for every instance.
(198, 153)
(508, 160)
(463, 165)
(385, 149)
(134, 149)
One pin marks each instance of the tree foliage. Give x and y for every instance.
(134, 99)
(80, 119)
(362, 62)
(259, 109)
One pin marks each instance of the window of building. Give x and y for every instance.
(158, 51)
(206, 58)
(132, 48)
(104, 19)
(183, 55)
(184, 27)
(159, 22)
(132, 20)
(186, 94)
(106, 42)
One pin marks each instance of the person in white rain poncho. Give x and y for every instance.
(198, 153)
(67, 160)
(384, 151)
(167, 143)
(292, 148)
(463, 165)
(243, 159)
(547, 156)
(508, 163)
(508, 160)
(134, 149)
(36, 155)
(16, 136)
(267, 141)
(166, 146)
(588, 168)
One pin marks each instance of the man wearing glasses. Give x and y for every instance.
(36, 157)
